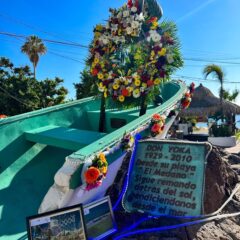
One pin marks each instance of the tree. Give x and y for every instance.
(87, 87)
(230, 96)
(33, 48)
(20, 92)
(218, 74)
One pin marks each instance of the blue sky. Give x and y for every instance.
(208, 30)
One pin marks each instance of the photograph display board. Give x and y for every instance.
(167, 178)
(62, 224)
(99, 219)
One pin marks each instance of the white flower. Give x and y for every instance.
(101, 89)
(139, 17)
(170, 58)
(134, 9)
(129, 30)
(154, 36)
(114, 27)
(142, 89)
(104, 39)
(135, 24)
(126, 13)
(136, 94)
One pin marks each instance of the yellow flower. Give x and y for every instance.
(162, 52)
(105, 94)
(102, 157)
(121, 98)
(157, 81)
(144, 85)
(103, 170)
(115, 86)
(100, 76)
(154, 25)
(130, 89)
(136, 77)
(137, 56)
(96, 61)
(97, 34)
(137, 83)
(99, 27)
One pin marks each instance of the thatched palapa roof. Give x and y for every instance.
(205, 103)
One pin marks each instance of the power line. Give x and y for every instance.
(206, 60)
(30, 26)
(46, 40)
(15, 98)
(201, 79)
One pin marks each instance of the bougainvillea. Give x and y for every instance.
(132, 54)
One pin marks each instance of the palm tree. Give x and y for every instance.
(34, 47)
(218, 73)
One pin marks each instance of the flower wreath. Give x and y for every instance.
(157, 125)
(132, 54)
(96, 172)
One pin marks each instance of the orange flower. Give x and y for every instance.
(91, 175)
(3, 116)
(125, 92)
(187, 95)
(156, 128)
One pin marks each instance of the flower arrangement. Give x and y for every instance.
(96, 172)
(3, 116)
(132, 54)
(156, 125)
(127, 142)
(186, 100)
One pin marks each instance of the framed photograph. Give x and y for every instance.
(62, 224)
(99, 219)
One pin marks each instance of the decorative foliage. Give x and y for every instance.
(127, 142)
(132, 54)
(157, 125)
(96, 172)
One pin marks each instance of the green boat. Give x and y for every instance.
(43, 153)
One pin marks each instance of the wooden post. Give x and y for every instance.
(143, 106)
(102, 119)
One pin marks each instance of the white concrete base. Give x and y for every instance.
(223, 141)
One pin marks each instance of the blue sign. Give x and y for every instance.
(167, 178)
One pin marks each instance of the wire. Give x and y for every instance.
(46, 40)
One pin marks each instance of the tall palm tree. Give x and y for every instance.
(33, 48)
(218, 73)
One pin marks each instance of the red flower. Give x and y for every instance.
(150, 83)
(152, 19)
(130, 4)
(156, 128)
(125, 92)
(95, 72)
(187, 95)
(156, 117)
(185, 104)
(91, 175)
